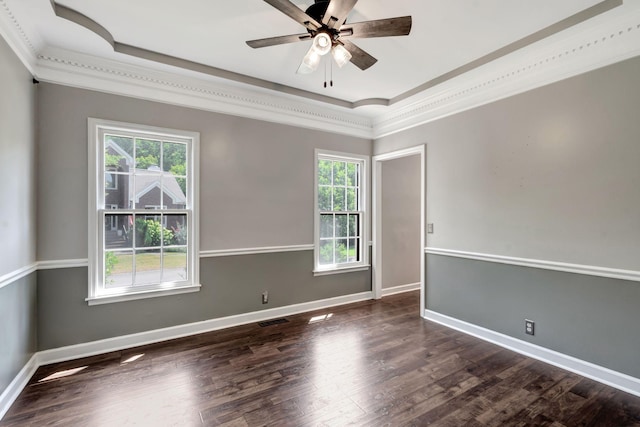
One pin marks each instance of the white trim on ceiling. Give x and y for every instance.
(573, 52)
(601, 41)
(16, 37)
(87, 72)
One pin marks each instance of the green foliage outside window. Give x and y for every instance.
(110, 262)
(150, 232)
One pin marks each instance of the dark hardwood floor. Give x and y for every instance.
(367, 364)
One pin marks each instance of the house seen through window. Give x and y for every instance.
(146, 205)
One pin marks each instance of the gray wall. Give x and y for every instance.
(256, 178)
(256, 190)
(18, 327)
(591, 318)
(550, 174)
(17, 174)
(400, 221)
(230, 285)
(17, 214)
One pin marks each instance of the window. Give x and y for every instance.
(133, 253)
(340, 221)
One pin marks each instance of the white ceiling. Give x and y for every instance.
(446, 35)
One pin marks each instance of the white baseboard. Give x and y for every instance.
(400, 289)
(595, 372)
(149, 337)
(11, 393)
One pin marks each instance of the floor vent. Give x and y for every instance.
(272, 322)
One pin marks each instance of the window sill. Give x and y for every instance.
(341, 270)
(108, 299)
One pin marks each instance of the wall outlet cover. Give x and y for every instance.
(529, 327)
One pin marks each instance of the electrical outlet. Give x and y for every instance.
(265, 297)
(430, 228)
(529, 327)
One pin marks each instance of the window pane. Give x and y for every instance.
(174, 265)
(173, 193)
(148, 267)
(326, 252)
(118, 269)
(352, 178)
(341, 225)
(174, 158)
(147, 154)
(338, 199)
(326, 225)
(352, 204)
(117, 231)
(339, 173)
(354, 229)
(324, 199)
(148, 231)
(110, 180)
(176, 230)
(175, 164)
(118, 153)
(117, 196)
(341, 250)
(148, 193)
(324, 172)
(353, 252)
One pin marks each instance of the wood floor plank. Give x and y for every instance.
(372, 363)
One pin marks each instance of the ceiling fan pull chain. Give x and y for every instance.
(325, 75)
(331, 82)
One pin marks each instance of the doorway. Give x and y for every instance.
(398, 254)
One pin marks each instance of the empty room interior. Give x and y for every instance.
(329, 212)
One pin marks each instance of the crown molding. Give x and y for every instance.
(16, 37)
(88, 72)
(602, 41)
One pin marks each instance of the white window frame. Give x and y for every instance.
(97, 292)
(363, 264)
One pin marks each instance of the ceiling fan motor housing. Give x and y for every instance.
(318, 9)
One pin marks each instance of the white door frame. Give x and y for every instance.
(377, 217)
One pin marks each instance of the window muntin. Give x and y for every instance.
(340, 213)
(148, 240)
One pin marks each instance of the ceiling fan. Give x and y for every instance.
(325, 21)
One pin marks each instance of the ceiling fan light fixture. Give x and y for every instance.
(322, 43)
(340, 54)
(310, 62)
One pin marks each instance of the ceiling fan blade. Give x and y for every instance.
(359, 57)
(272, 41)
(337, 12)
(295, 13)
(400, 26)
